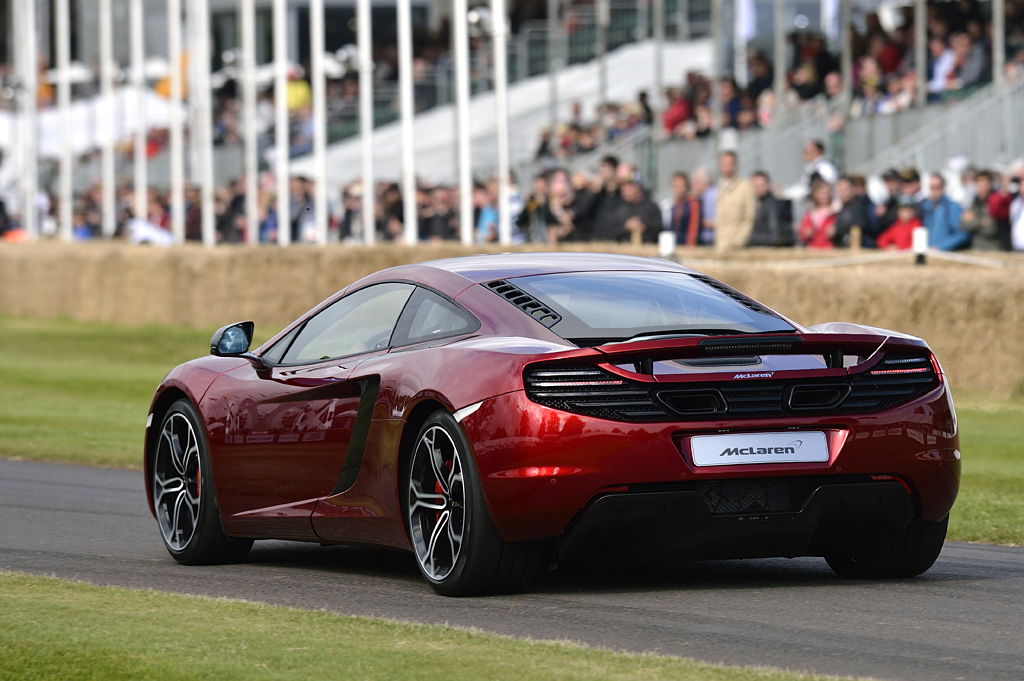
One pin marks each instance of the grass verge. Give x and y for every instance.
(53, 629)
(79, 393)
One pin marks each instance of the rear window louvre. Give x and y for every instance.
(525, 302)
(743, 300)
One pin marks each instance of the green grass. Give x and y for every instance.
(53, 629)
(79, 392)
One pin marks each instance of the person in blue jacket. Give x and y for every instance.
(941, 216)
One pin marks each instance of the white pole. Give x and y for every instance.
(552, 68)
(204, 109)
(365, 40)
(659, 65)
(499, 21)
(316, 48)
(247, 9)
(30, 171)
(603, 19)
(406, 106)
(177, 134)
(139, 85)
(107, 97)
(281, 141)
(63, 35)
(462, 118)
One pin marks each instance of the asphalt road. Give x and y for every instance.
(964, 619)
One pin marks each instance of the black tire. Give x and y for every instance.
(458, 550)
(185, 503)
(908, 554)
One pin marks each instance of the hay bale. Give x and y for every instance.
(973, 317)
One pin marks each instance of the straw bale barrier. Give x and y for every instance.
(972, 316)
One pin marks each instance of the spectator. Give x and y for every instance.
(911, 185)
(637, 214)
(706, 192)
(854, 211)
(901, 235)
(682, 215)
(533, 219)
(771, 226)
(981, 221)
(486, 215)
(886, 212)
(735, 206)
(942, 217)
(818, 226)
(817, 165)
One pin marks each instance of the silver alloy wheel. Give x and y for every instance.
(176, 482)
(436, 503)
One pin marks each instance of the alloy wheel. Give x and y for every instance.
(436, 503)
(176, 482)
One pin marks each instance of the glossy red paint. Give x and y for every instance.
(280, 437)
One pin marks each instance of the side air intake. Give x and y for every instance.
(525, 302)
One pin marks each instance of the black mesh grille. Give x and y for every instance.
(754, 496)
(595, 392)
(525, 302)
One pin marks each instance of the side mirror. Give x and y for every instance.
(232, 340)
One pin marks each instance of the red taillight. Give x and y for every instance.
(573, 384)
(892, 478)
(889, 372)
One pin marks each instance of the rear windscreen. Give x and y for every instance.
(603, 307)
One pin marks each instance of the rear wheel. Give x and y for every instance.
(908, 554)
(183, 494)
(457, 547)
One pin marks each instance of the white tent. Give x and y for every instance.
(93, 121)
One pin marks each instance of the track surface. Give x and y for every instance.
(962, 620)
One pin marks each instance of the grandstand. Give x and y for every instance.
(883, 86)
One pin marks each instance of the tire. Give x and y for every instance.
(908, 554)
(184, 502)
(458, 550)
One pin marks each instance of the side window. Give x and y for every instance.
(360, 322)
(429, 316)
(274, 354)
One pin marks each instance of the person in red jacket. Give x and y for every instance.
(819, 223)
(901, 235)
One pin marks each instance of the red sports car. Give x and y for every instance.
(496, 413)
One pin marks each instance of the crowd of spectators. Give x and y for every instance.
(613, 205)
(959, 54)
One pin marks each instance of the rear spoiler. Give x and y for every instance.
(831, 346)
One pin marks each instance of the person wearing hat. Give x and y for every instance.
(911, 184)
(901, 235)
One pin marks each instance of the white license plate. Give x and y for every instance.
(744, 448)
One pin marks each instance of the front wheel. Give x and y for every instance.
(457, 547)
(908, 554)
(183, 494)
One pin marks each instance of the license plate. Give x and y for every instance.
(745, 448)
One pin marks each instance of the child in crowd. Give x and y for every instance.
(901, 235)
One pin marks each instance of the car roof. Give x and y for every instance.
(480, 268)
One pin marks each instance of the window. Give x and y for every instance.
(360, 322)
(429, 316)
(274, 354)
(615, 306)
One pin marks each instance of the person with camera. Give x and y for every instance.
(986, 220)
